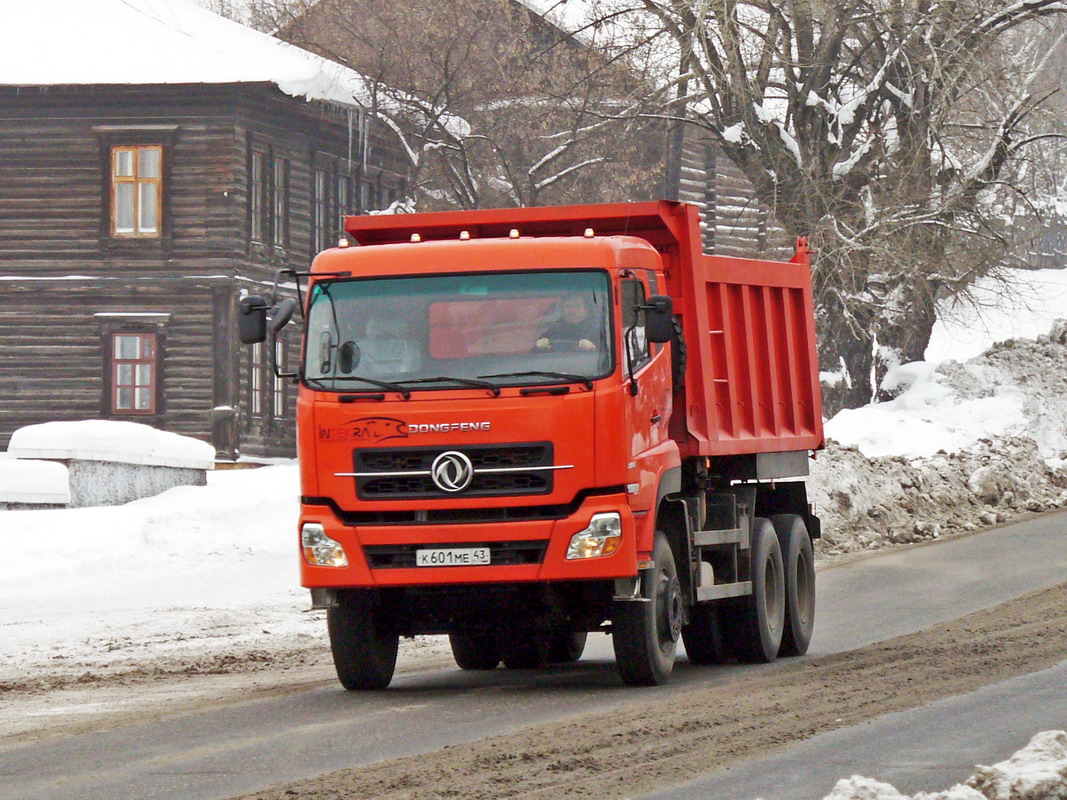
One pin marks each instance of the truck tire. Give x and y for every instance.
(567, 647)
(364, 645)
(702, 636)
(528, 650)
(799, 560)
(645, 635)
(753, 625)
(474, 651)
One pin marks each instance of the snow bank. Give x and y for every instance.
(1017, 387)
(1037, 772)
(963, 446)
(33, 482)
(927, 416)
(107, 440)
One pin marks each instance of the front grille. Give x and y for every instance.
(500, 553)
(518, 457)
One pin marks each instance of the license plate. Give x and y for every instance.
(452, 557)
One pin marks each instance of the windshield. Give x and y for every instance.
(442, 332)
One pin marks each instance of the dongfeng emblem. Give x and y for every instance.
(452, 471)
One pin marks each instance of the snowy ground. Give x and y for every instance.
(187, 576)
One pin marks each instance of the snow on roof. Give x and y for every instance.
(142, 42)
(108, 440)
(570, 16)
(33, 482)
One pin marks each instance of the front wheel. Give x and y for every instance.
(363, 643)
(645, 634)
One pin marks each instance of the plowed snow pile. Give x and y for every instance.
(960, 447)
(1037, 772)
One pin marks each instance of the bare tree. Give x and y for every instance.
(494, 105)
(889, 131)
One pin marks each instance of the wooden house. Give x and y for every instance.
(157, 162)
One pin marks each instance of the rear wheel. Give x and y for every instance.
(645, 635)
(567, 647)
(752, 629)
(475, 651)
(702, 636)
(527, 650)
(363, 643)
(799, 561)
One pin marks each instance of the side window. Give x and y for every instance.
(633, 323)
(136, 191)
(134, 371)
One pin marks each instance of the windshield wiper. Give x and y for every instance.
(563, 376)
(461, 381)
(392, 387)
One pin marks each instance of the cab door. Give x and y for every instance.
(648, 387)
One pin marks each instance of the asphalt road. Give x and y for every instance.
(926, 749)
(242, 747)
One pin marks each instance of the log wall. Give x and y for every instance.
(60, 267)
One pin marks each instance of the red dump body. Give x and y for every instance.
(751, 381)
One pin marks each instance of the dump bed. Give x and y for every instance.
(751, 382)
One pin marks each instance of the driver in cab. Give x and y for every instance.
(576, 328)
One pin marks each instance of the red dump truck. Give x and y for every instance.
(519, 426)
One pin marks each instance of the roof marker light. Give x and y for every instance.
(416, 238)
(464, 235)
(588, 233)
(342, 242)
(514, 233)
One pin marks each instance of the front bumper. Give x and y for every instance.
(360, 542)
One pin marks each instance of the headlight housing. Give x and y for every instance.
(601, 537)
(319, 549)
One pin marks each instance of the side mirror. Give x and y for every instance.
(281, 314)
(659, 318)
(252, 319)
(348, 355)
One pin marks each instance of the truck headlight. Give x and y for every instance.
(319, 549)
(601, 537)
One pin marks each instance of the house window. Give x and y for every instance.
(134, 371)
(344, 201)
(320, 210)
(366, 192)
(278, 394)
(280, 217)
(257, 379)
(259, 197)
(136, 190)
